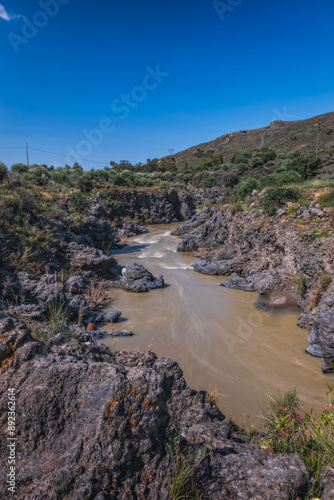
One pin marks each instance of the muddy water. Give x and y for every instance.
(216, 335)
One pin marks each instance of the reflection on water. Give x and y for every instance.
(216, 335)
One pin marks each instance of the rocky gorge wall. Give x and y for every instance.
(285, 259)
(154, 207)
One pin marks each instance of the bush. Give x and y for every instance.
(307, 166)
(144, 182)
(280, 178)
(37, 174)
(210, 181)
(230, 179)
(263, 157)
(301, 284)
(276, 197)
(60, 176)
(3, 172)
(257, 161)
(325, 281)
(296, 431)
(246, 186)
(19, 168)
(78, 200)
(326, 199)
(242, 168)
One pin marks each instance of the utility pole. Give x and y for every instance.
(27, 154)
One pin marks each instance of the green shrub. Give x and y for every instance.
(210, 181)
(301, 284)
(242, 168)
(230, 179)
(257, 161)
(37, 174)
(78, 200)
(262, 158)
(276, 197)
(307, 166)
(325, 281)
(287, 176)
(3, 172)
(19, 168)
(280, 178)
(326, 199)
(243, 158)
(60, 176)
(291, 210)
(144, 182)
(235, 208)
(246, 186)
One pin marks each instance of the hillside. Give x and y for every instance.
(304, 136)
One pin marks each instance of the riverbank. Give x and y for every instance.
(218, 336)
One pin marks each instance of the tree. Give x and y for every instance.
(19, 168)
(3, 172)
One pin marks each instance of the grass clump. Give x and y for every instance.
(325, 281)
(326, 199)
(296, 431)
(301, 284)
(57, 311)
(185, 462)
(62, 489)
(212, 396)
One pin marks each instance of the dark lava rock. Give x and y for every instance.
(131, 230)
(135, 278)
(156, 207)
(108, 317)
(327, 487)
(271, 256)
(321, 339)
(98, 426)
(75, 284)
(87, 258)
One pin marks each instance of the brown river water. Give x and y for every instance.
(218, 337)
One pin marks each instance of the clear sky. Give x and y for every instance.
(152, 76)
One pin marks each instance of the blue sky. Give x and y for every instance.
(193, 71)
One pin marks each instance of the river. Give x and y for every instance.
(218, 337)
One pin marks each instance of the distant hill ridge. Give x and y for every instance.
(307, 136)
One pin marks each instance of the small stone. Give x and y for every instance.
(91, 327)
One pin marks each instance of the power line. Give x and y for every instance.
(57, 154)
(65, 156)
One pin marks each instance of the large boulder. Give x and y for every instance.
(135, 278)
(108, 317)
(96, 425)
(88, 258)
(75, 284)
(321, 339)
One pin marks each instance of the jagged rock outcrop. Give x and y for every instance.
(96, 425)
(153, 206)
(321, 339)
(286, 263)
(135, 278)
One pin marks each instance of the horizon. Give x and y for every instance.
(170, 76)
